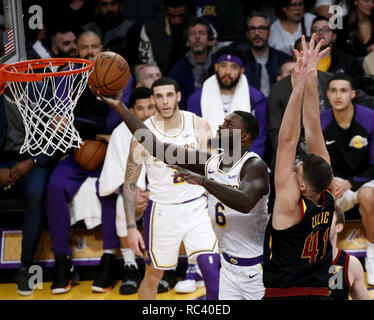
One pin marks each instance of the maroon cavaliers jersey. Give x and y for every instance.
(299, 257)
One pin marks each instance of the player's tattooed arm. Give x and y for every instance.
(160, 150)
(133, 169)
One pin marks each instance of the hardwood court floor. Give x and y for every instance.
(82, 291)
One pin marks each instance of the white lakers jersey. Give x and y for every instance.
(163, 187)
(240, 235)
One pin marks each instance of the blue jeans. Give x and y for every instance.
(31, 187)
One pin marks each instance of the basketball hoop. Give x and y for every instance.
(46, 100)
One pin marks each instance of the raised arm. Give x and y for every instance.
(315, 142)
(154, 146)
(286, 185)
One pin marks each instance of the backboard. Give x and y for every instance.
(12, 37)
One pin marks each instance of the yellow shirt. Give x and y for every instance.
(324, 63)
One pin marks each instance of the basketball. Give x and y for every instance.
(110, 74)
(91, 155)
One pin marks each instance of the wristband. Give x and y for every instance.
(35, 162)
(131, 226)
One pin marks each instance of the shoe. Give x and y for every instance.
(131, 280)
(168, 281)
(65, 276)
(105, 281)
(369, 266)
(22, 281)
(192, 280)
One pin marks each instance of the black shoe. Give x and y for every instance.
(22, 281)
(131, 280)
(65, 276)
(105, 281)
(168, 281)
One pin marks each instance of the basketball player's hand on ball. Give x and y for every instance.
(182, 175)
(135, 241)
(113, 102)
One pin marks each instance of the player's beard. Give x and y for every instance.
(227, 86)
(72, 53)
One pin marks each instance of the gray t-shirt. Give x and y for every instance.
(200, 71)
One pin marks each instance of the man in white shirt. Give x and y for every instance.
(292, 22)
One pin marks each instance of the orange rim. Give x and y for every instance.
(8, 74)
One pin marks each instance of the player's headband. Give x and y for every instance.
(230, 58)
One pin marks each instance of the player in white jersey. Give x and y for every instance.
(251, 187)
(241, 236)
(179, 210)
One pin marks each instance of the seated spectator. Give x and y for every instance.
(64, 43)
(346, 267)
(357, 35)
(192, 70)
(161, 39)
(285, 69)
(92, 117)
(226, 91)
(322, 7)
(28, 176)
(348, 130)
(110, 23)
(337, 61)
(146, 74)
(280, 92)
(263, 61)
(368, 64)
(292, 22)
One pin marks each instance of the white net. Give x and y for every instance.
(47, 109)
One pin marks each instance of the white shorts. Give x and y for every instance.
(167, 225)
(240, 282)
(349, 198)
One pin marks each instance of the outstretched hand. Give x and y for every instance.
(313, 53)
(182, 175)
(306, 61)
(299, 71)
